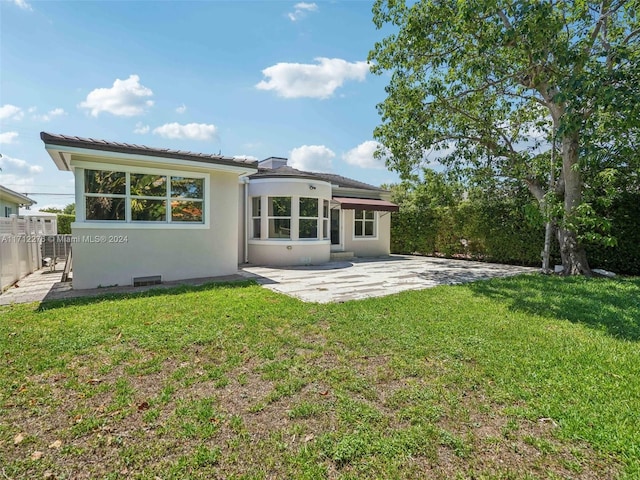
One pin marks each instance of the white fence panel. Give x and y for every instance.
(19, 249)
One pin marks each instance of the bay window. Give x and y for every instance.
(279, 215)
(256, 212)
(308, 218)
(325, 219)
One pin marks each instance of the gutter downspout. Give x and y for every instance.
(245, 181)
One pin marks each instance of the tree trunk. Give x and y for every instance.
(574, 256)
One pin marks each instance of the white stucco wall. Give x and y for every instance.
(6, 203)
(283, 253)
(119, 252)
(368, 247)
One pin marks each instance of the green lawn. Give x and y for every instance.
(527, 377)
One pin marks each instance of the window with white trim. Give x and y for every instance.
(138, 197)
(325, 219)
(364, 225)
(105, 195)
(308, 218)
(279, 215)
(256, 212)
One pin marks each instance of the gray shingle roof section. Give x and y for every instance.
(132, 149)
(290, 172)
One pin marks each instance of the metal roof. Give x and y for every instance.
(290, 172)
(132, 149)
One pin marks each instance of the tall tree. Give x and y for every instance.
(490, 83)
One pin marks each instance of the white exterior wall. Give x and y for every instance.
(282, 252)
(367, 247)
(6, 203)
(174, 251)
(285, 253)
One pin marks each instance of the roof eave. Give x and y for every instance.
(16, 197)
(61, 155)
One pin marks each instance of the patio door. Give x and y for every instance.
(336, 231)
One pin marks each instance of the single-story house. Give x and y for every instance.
(10, 202)
(149, 214)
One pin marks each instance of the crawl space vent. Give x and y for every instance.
(143, 281)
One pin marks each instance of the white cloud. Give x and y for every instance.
(191, 131)
(181, 109)
(11, 112)
(301, 10)
(245, 157)
(17, 183)
(8, 164)
(363, 155)
(141, 128)
(295, 80)
(23, 5)
(313, 158)
(126, 98)
(56, 112)
(8, 137)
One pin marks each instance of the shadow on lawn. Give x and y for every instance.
(152, 292)
(612, 306)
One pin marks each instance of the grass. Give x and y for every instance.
(520, 378)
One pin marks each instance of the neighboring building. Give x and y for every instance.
(10, 202)
(146, 214)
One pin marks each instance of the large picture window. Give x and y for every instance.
(364, 224)
(308, 218)
(138, 197)
(279, 214)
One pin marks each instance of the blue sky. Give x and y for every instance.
(257, 79)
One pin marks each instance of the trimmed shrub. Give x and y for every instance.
(64, 223)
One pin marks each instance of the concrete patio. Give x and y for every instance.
(361, 278)
(332, 282)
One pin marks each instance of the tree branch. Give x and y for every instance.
(505, 19)
(631, 35)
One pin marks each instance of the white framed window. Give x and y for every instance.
(256, 214)
(279, 216)
(325, 220)
(105, 195)
(133, 197)
(187, 199)
(308, 218)
(365, 224)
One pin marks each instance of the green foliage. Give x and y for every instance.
(70, 209)
(624, 214)
(64, 223)
(499, 225)
(487, 84)
(51, 210)
(504, 225)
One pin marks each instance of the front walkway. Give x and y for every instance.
(333, 282)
